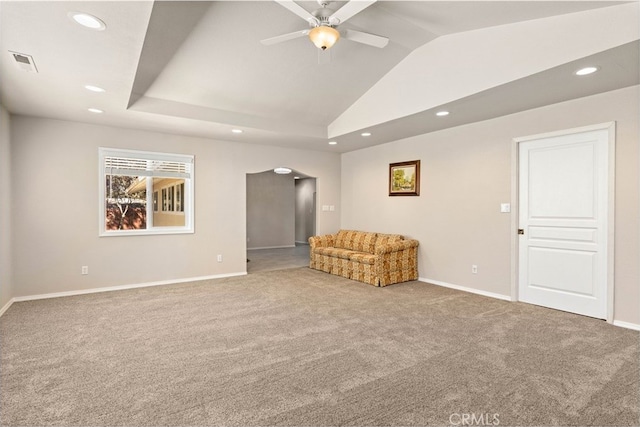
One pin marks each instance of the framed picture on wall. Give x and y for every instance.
(404, 178)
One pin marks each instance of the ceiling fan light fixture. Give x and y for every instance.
(324, 36)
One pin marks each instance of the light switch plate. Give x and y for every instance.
(505, 207)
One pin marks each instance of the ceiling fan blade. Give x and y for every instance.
(365, 38)
(284, 37)
(298, 10)
(348, 10)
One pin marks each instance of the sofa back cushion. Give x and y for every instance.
(384, 239)
(360, 241)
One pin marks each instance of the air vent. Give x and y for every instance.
(24, 62)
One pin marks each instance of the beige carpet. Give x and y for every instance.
(302, 348)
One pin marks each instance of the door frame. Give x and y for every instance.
(515, 149)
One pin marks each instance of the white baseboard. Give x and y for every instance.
(119, 288)
(627, 325)
(619, 323)
(271, 247)
(465, 289)
(6, 306)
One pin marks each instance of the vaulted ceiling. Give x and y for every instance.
(198, 68)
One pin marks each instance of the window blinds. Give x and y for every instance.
(130, 163)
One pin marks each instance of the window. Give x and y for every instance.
(145, 192)
(179, 193)
(173, 196)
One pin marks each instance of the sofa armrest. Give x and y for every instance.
(324, 241)
(396, 246)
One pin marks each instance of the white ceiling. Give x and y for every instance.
(198, 68)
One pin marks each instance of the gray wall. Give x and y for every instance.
(270, 210)
(305, 209)
(466, 174)
(50, 245)
(6, 292)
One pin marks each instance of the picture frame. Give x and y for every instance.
(404, 178)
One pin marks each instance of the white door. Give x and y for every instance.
(563, 208)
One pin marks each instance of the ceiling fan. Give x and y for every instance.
(323, 23)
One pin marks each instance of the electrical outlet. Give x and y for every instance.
(220, 258)
(474, 269)
(85, 270)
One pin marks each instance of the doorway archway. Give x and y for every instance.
(281, 216)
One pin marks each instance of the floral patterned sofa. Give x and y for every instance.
(374, 258)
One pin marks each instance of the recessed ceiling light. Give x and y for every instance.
(236, 130)
(282, 171)
(586, 71)
(95, 110)
(88, 21)
(442, 113)
(366, 134)
(333, 142)
(296, 177)
(93, 88)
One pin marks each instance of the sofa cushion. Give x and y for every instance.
(362, 258)
(384, 239)
(359, 241)
(335, 252)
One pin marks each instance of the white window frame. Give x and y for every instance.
(154, 169)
